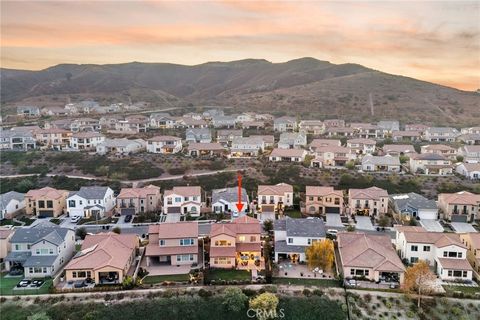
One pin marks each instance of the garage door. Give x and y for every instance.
(459, 218)
(128, 211)
(332, 210)
(45, 213)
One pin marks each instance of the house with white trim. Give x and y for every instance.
(94, 201)
(183, 200)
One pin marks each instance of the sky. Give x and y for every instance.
(432, 41)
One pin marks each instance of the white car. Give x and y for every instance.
(75, 219)
(332, 231)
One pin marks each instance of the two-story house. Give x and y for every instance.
(472, 241)
(237, 244)
(219, 121)
(28, 111)
(226, 136)
(414, 205)
(291, 140)
(441, 149)
(86, 140)
(162, 121)
(17, 140)
(440, 134)
(121, 146)
(462, 206)
(45, 202)
(430, 163)
(285, 124)
(199, 135)
(173, 244)
(381, 163)
(398, 150)
(10, 204)
(40, 250)
(323, 200)
(132, 201)
(57, 139)
(225, 201)
(246, 147)
(413, 136)
(164, 145)
(470, 153)
(443, 251)
(371, 201)
(183, 200)
(90, 202)
(293, 236)
(133, 124)
(362, 146)
(274, 198)
(313, 127)
(332, 156)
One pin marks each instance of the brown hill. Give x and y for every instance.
(306, 86)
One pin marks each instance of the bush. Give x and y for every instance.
(307, 292)
(205, 293)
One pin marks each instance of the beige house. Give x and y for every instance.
(5, 246)
(172, 244)
(441, 149)
(274, 198)
(323, 200)
(462, 206)
(132, 201)
(106, 258)
(430, 163)
(369, 256)
(53, 138)
(332, 156)
(371, 201)
(237, 245)
(472, 241)
(46, 202)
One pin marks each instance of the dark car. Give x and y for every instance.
(16, 272)
(128, 218)
(79, 284)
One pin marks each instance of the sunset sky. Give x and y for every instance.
(433, 41)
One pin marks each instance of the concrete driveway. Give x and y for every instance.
(334, 220)
(173, 217)
(462, 227)
(431, 225)
(364, 223)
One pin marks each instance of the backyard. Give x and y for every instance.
(163, 278)
(8, 283)
(308, 282)
(227, 275)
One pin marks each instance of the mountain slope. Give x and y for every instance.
(306, 86)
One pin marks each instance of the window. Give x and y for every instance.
(290, 240)
(82, 274)
(414, 248)
(186, 242)
(161, 242)
(221, 260)
(74, 274)
(41, 204)
(241, 238)
(178, 199)
(426, 248)
(71, 203)
(49, 204)
(184, 257)
(309, 241)
(413, 259)
(253, 238)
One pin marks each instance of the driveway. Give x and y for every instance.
(121, 220)
(364, 223)
(462, 227)
(173, 217)
(334, 220)
(431, 225)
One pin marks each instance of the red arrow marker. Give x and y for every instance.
(239, 204)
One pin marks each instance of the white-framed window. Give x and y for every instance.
(187, 242)
(161, 242)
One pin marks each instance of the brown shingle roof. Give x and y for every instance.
(457, 264)
(322, 191)
(175, 230)
(186, 191)
(278, 189)
(46, 192)
(371, 193)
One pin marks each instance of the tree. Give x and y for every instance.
(234, 299)
(320, 254)
(404, 159)
(39, 316)
(81, 233)
(268, 226)
(460, 158)
(265, 305)
(384, 221)
(350, 165)
(117, 230)
(418, 279)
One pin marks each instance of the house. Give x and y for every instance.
(293, 236)
(339, 131)
(133, 124)
(314, 127)
(398, 150)
(87, 106)
(317, 143)
(472, 241)
(121, 146)
(274, 198)
(253, 124)
(209, 114)
(225, 200)
(371, 201)
(332, 156)
(132, 201)
(28, 111)
(441, 149)
(237, 244)
(416, 127)
(10, 204)
(287, 155)
(5, 245)
(174, 244)
(430, 163)
(414, 205)
(206, 149)
(461, 206)
(86, 140)
(246, 147)
(183, 200)
(269, 140)
(381, 163)
(323, 200)
(110, 121)
(225, 137)
(56, 139)
(17, 140)
(362, 146)
(54, 111)
(192, 123)
(470, 130)
(245, 117)
(334, 123)
(219, 121)
(162, 121)
(290, 140)
(164, 145)
(199, 135)
(85, 124)
(469, 170)
(389, 126)
(41, 251)
(368, 131)
(413, 136)
(285, 124)
(369, 256)
(441, 134)
(470, 138)
(90, 202)
(443, 251)
(470, 153)
(45, 202)
(105, 258)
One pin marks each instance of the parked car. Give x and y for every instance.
(128, 218)
(75, 219)
(79, 284)
(351, 283)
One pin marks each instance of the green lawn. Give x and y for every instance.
(228, 274)
(308, 282)
(5, 222)
(465, 290)
(171, 277)
(293, 214)
(8, 283)
(55, 220)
